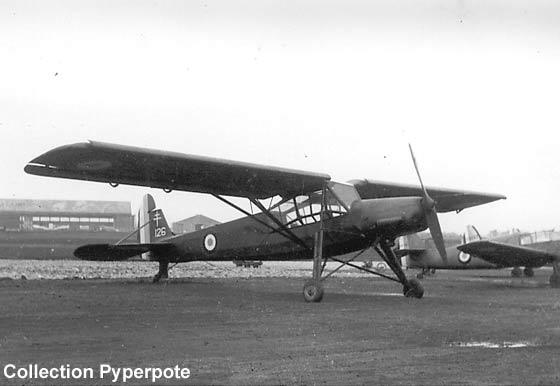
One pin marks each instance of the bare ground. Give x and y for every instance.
(260, 331)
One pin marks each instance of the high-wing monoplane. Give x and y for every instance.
(520, 249)
(301, 215)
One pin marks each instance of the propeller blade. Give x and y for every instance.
(417, 171)
(430, 213)
(437, 235)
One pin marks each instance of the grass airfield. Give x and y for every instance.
(233, 325)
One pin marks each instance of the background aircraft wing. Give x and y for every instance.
(118, 164)
(447, 200)
(413, 253)
(507, 255)
(111, 252)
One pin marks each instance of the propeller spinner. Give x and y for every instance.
(431, 214)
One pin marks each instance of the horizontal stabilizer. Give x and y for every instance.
(119, 252)
(507, 255)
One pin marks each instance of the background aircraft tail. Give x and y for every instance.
(471, 235)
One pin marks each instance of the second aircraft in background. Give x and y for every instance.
(515, 250)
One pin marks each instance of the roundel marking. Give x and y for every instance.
(210, 242)
(464, 257)
(94, 165)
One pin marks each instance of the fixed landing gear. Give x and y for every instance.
(516, 272)
(313, 291)
(162, 272)
(413, 289)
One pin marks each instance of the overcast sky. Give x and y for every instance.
(329, 86)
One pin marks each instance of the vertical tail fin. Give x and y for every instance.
(152, 224)
(159, 229)
(472, 234)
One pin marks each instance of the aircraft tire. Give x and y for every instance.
(313, 292)
(528, 272)
(413, 289)
(555, 281)
(516, 272)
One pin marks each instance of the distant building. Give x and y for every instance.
(54, 228)
(194, 223)
(64, 215)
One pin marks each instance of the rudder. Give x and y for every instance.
(153, 226)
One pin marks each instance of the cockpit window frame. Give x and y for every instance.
(299, 210)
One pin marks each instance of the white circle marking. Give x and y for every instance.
(464, 257)
(210, 242)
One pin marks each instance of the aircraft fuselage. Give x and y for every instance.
(247, 238)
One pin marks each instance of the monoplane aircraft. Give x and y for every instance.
(302, 214)
(520, 249)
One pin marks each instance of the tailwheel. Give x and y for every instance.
(516, 272)
(162, 272)
(555, 280)
(413, 289)
(529, 272)
(313, 291)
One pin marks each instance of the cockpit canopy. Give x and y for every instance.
(306, 209)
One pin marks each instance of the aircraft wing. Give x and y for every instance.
(119, 252)
(447, 200)
(118, 164)
(507, 255)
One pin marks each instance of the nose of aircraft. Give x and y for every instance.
(395, 216)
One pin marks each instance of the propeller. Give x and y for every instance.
(431, 215)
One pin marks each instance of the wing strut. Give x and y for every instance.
(282, 230)
(313, 289)
(133, 232)
(288, 233)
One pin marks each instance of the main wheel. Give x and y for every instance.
(413, 289)
(555, 280)
(528, 271)
(516, 272)
(313, 291)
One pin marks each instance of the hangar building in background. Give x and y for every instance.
(194, 223)
(52, 229)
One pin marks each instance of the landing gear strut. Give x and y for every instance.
(162, 272)
(411, 287)
(313, 289)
